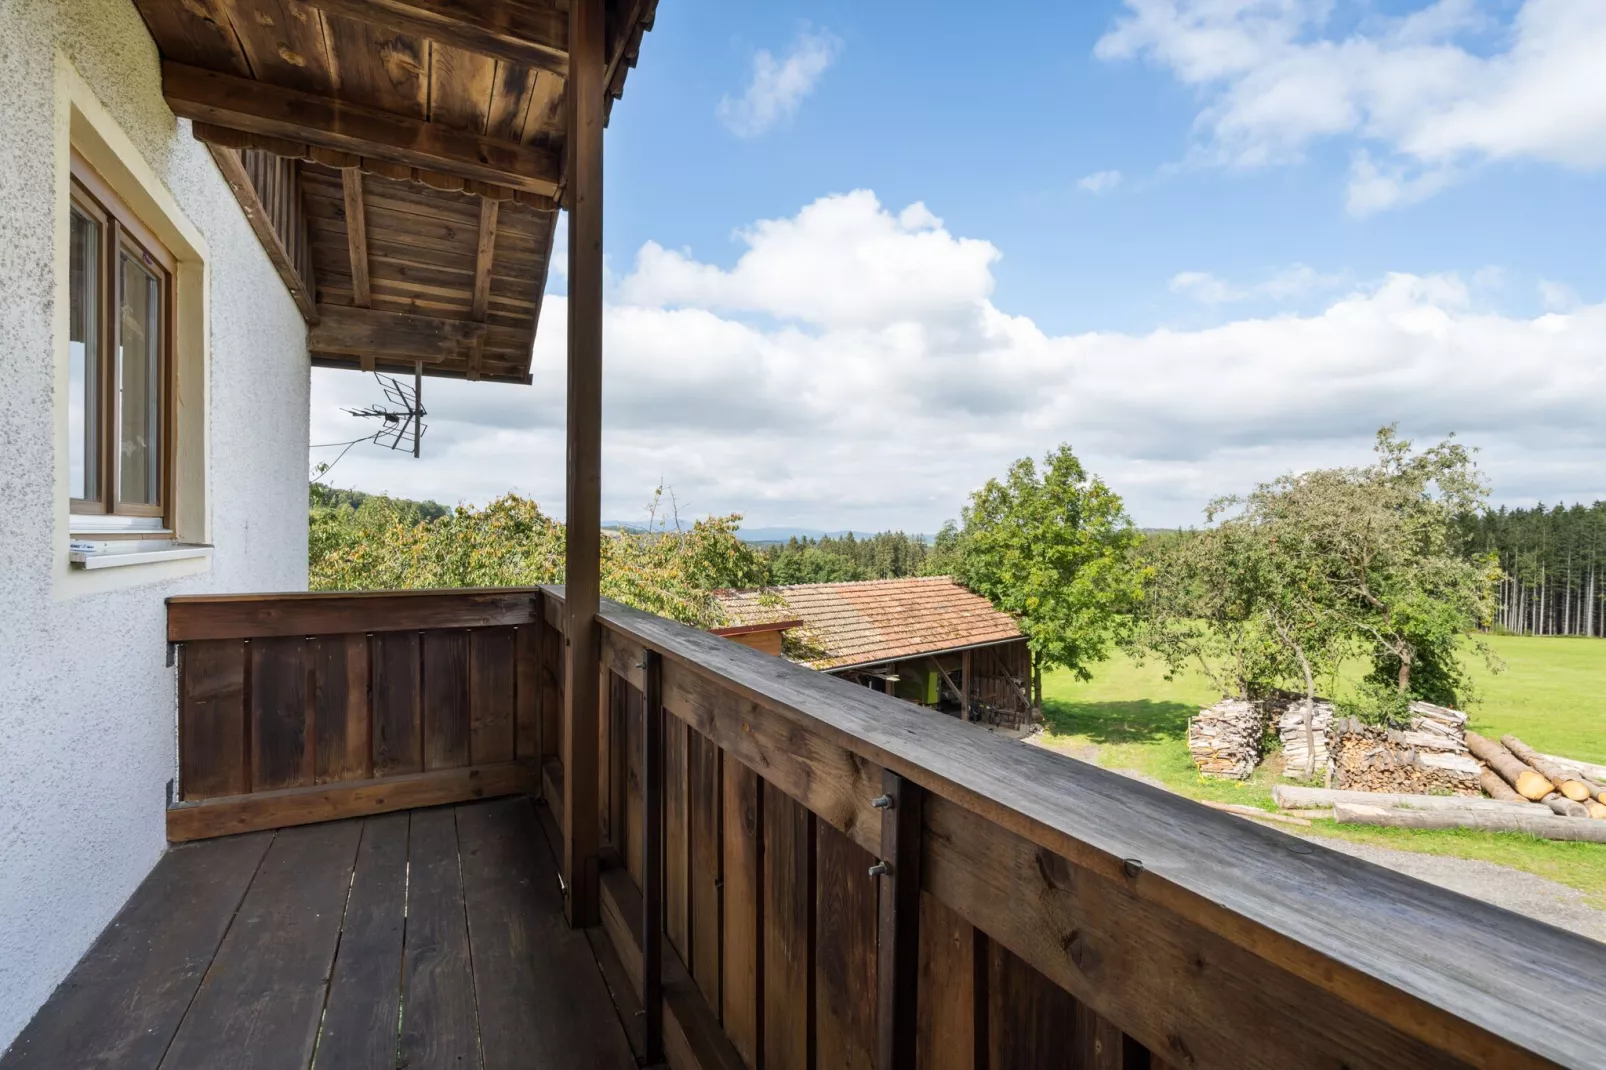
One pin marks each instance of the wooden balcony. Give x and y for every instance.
(793, 872)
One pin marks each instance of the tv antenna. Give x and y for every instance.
(401, 418)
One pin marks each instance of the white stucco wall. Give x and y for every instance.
(86, 702)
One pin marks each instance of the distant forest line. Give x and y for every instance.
(1553, 561)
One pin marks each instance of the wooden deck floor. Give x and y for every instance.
(423, 939)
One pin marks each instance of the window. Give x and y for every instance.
(119, 364)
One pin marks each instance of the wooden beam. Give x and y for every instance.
(483, 257)
(256, 213)
(300, 613)
(586, 98)
(357, 236)
(261, 108)
(364, 331)
(964, 684)
(330, 802)
(489, 212)
(898, 942)
(527, 34)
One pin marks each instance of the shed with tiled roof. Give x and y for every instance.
(908, 636)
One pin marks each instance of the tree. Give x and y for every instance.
(1054, 549)
(383, 545)
(1385, 542)
(1241, 601)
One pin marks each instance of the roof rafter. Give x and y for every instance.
(357, 236)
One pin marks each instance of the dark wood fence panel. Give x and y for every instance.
(493, 695)
(787, 924)
(212, 725)
(281, 751)
(703, 822)
(845, 951)
(266, 719)
(677, 839)
(952, 990)
(341, 708)
(398, 698)
(445, 675)
(743, 912)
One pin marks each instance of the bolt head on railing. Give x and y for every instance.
(880, 869)
(882, 802)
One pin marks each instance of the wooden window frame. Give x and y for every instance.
(122, 231)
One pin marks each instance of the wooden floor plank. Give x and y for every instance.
(124, 1000)
(360, 1018)
(542, 1000)
(259, 1005)
(438, 1028)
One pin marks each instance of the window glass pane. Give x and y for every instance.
(139, 383)
(83, 363)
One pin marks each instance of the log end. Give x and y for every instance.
(1532, 786)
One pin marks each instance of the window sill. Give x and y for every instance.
(114, 557)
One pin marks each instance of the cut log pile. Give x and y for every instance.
(1305, 753)
(1429, 755)
(1538, 794)
(1225, 739)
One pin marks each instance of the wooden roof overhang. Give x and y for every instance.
(402, 161)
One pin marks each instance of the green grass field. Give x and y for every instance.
(1552, 695)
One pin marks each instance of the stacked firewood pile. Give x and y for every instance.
(1429, 755)
(1225, 739)
(1304, 753)
(1516, 772)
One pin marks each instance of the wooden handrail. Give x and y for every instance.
(1129, 897)
(260, 616)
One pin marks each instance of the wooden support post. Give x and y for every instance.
(652, 861)
(583, 508)
(898, 946)
(964, 686)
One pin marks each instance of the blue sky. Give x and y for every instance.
(1205, 241)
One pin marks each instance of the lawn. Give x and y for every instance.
(1552, 694)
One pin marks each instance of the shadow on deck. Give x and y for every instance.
(426, 938)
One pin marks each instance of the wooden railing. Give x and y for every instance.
(850, 881)
(296, 708)
(800, 873)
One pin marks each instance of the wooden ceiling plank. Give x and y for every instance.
(363, 331)
(228, 161)
(284, 43)
(259, 108)
(534, 35)
(198, 32)
(357, 237)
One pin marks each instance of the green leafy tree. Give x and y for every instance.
(1394, 572)
(1053, 548)
(382, 544)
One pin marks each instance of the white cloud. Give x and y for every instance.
(1558, 297)
(1294, 281)
(851, 369)
(777, 87)
(1435, 92)
(1100, 182)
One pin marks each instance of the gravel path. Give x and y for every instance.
(1523, 893)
